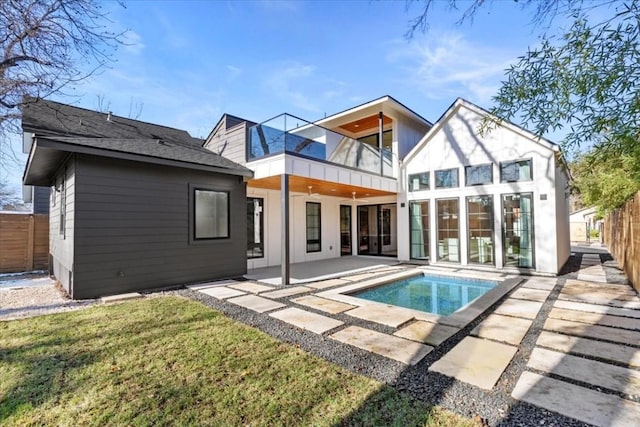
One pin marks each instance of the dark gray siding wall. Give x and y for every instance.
(41, 200)
(133, 224)
(61, 245)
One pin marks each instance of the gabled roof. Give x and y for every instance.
(460, 102)
(60, 129)
(228, 121)
(49, 118)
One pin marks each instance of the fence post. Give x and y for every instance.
(31, 242)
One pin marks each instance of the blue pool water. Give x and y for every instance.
(433, 294)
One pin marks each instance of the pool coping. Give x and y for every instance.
(458, 319)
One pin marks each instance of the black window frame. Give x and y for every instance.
(435, 178)
(317, 241)
(472, 168)
(420, 177)
(194, 202)
(427, 232)
(512, 162)
(261, 244)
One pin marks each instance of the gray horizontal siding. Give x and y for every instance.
(230, 142)
(132, 228)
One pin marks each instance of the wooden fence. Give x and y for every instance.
(622, 237)
(24, 242)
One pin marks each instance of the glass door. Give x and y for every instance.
(419, 220)
(517, 230)
(480, 226)
(345, 230)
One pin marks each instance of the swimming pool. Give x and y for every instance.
(430, 293)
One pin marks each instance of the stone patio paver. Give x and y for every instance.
(530, 294)
(400, 349)
(586, 347)
(577, 402)
(305, 320)
(323, 304)
(251, 287)
(519, 308)
(327, 283)
(427, 332)
(602, 287)
(592, 331)
(510, 330)
(544, 285)
(596, 308)
(199, 286)
(385, 314)
(286, 292)
(256, 303)
(604, 375)
(476, 361)
(221, 292)
(595, 318)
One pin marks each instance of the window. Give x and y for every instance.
(255, 227)
(478, 175)
(419, 235)
(448, 230)
(447, 178)
(419, 181)
(480, 225)
(63, 205)
(211, 214)
(519, 170)
(387, 139)
(313, 227)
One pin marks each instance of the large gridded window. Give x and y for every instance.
(448, 230)
(211, 214)
(480, 223)
(255, 227)
(446, 178)
(313, 227)
(419, 220)
(518, 170)
(419, 181)
(478, 175)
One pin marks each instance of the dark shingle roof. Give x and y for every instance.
(160, 149)
(50, 118)
(61, 128)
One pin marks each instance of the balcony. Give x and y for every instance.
(286, 134)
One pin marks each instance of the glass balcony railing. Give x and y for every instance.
(292, 135)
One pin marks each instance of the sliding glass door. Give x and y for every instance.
(345, 230)
(480, 226)
(377, 230)
(419, 223)
(517, 229)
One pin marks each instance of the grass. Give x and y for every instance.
(171, 361)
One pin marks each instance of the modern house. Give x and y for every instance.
(139, 206)
(134, 205)
(380, 180)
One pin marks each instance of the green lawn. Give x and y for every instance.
(171, 361)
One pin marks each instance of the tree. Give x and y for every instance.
(585, 79)
(47, 46)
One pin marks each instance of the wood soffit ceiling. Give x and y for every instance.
(300, 184)
(365, 123)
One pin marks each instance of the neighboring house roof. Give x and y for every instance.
(60, 129)
(585, 211)
(459, 103)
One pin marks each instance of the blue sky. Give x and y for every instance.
(188, 62)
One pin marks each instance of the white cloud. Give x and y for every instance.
(449, 66)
